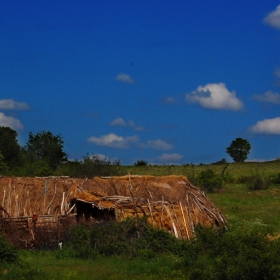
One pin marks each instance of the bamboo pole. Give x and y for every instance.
(189, 215)
(48, 207)
(71, 209)
(62, 203)
(9, 199)
(15, 204)
(149, 205)
(177, 220)
(172, 222)
(185, 224)
(3, 201)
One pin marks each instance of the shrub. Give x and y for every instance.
(129, 238)
(209, 181)
(140, 163)
(77, 243)
(216, 254)
(7, 252)
(255, 182)
(275, 179)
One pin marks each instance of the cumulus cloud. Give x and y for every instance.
(170, 158)
(10, 122)
(121, 122)
(10, 104)
(114, 141)
(273, 18)
(125, 78)
(158, 145)
(267, 126)
(215, 96)
(269, 96)
(130, 123)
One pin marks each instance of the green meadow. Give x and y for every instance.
(253, 212)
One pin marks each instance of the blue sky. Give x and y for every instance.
(169, 82)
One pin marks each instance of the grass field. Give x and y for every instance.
(244, 210)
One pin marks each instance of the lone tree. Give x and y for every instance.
(44, 146)
(239, 149)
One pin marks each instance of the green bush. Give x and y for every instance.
(255, 182)
(209, 180)
(216, 254)
(275, 179)
(7, 252)
(77, 243)
(129, 238)
(141, 162)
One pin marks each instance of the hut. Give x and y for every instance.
(171, 202)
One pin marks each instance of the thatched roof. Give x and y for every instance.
(168, 202)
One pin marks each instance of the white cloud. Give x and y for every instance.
(273, 18)
(118, 122)
(125, 78)
(158, 145)
(215, 96)
(122, 122)
(169, 100)
(10, 104)
(114, 141)
(269, 96)
(170, 158)
(267, 126)
(10, 122)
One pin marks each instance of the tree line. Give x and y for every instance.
(44, 155)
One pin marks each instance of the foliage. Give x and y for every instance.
(7, 251)
(275, 179)
(211, 181)
(141, 162)
(216, 254)
(254, 182)
(239, 149)
(222, 161)
(9, 146)
(208, 180)
(47, 147)
(129, 238)
(37, 168)
(92, 166)
(3, 164)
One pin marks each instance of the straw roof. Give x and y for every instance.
(168, 202)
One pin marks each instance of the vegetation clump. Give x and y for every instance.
(239, 149)
(216, 254)
(129, 238)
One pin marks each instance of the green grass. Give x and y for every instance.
(45, 265)
(245, 211)
(234, 169)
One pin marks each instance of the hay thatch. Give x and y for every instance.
(169, 202)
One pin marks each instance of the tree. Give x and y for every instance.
(239, 149)
(141, 162)
(9, 146)
(47, 147)
(3, 164)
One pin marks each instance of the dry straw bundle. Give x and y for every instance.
(168, 202)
